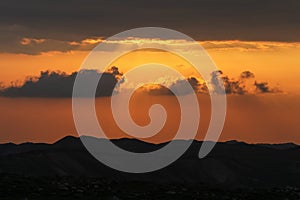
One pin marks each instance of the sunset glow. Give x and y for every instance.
(276, 62)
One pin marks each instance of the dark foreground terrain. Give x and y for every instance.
(233, 170)
(21, 187)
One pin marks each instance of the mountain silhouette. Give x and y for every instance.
(231, 163)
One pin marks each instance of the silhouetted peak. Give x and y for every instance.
(67, 141)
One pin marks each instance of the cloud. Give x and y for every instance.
(246, 75)
(248, 45)
(36, 46)
(60, 84)
(74, 21)
(28, 41)
(243, 85)
(179, 86)
(263, 87)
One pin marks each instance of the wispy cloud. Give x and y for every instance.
(35, 46)
(248, 45)
(28, 41)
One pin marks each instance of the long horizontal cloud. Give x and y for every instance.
(249, 45)
(35, 46)
(267, 20)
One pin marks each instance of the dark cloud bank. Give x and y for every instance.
(263, 20)
(59, 84)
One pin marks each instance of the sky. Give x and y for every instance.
(262, 37)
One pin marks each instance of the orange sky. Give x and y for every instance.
(252, 118)
(276, 62)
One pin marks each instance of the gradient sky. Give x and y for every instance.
(260, 36)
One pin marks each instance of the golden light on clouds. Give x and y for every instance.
(87, 41)
(27, 41)
(249, 45)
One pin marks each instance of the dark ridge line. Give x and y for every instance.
(70, 137)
